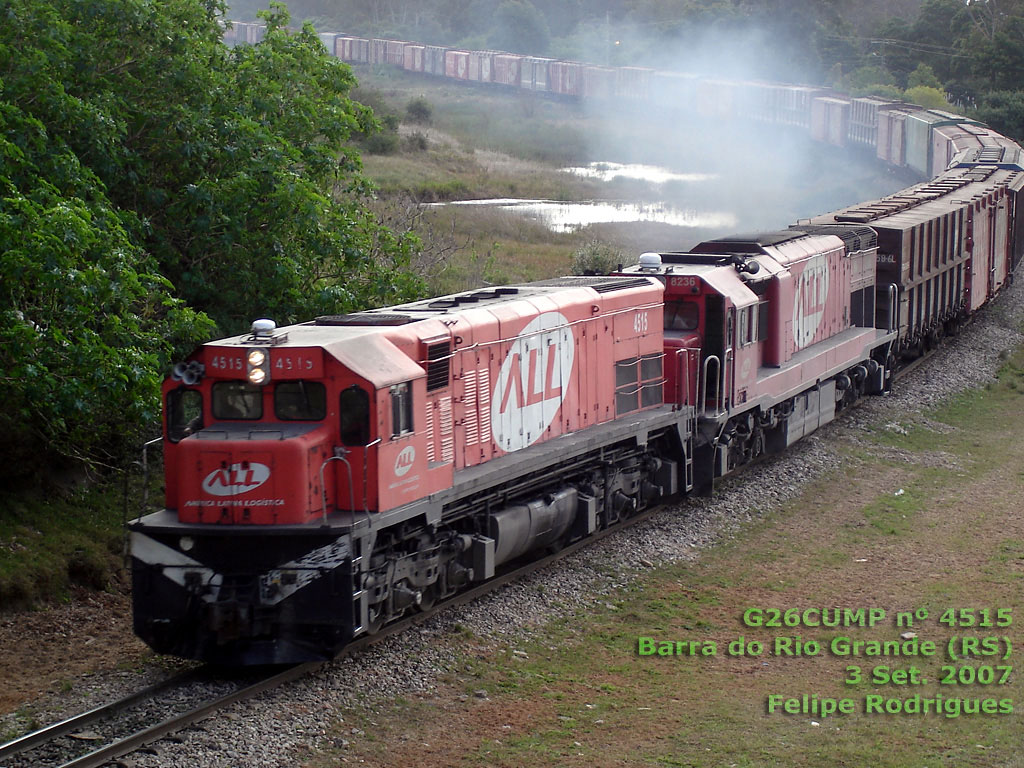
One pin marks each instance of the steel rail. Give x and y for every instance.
(64, 727)
(171, 725)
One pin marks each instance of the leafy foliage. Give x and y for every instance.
(596, 258)
(924, 76)
(418, 110)
(1004, 111)
(520, 27)
(922, 95)
(152, 178)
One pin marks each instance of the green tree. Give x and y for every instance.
(520, 27)
(923, 75)
(1004, 111)
(147, 169)
(922, 95)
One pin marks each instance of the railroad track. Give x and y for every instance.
(52, 745)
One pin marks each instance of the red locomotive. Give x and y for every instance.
(327, 477)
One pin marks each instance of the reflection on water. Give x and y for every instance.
(568, 217)
(606, 171)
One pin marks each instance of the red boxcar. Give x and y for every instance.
(506, 69)
(456, 65)
(566, 77)
(412, 57)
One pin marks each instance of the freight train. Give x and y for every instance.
(326, 478)
(923, 141)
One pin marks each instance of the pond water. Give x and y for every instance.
(562, 216)
(606, 171)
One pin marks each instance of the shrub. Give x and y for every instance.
(419, 111)
(416, 141)
(596, 258)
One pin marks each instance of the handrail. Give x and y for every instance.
(893, 307)
(703, 399)
(682, 375)
(726, 382)
(340, 454)
(145, 474)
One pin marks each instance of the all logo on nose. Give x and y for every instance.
(237, 479)
(809, 303)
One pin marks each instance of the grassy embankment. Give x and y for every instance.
(54, 540)
(925, 521)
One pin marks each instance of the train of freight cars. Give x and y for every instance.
(924, 141)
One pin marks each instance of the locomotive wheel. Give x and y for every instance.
(428, 596)
(375, 619)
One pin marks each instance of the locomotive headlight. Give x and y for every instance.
(258, 366)
(186, 543)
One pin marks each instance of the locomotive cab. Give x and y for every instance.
(711, 316)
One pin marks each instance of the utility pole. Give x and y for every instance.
(607, 37)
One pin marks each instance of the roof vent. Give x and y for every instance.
(264, 331)
(263, 328)
(650, 260)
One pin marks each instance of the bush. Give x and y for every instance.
(384, 143)
(416, 141)
(419, 111)
(596, 258)
(925, 96)
(1004, 111)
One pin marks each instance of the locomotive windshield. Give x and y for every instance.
(237, 400)
(682, 316)
(300, 401)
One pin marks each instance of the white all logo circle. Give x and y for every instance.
(533, 381)
(809, 300)
(237, 479)
(404, 461)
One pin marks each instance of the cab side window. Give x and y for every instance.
(401, 409)
(355, 417)
(184, 413)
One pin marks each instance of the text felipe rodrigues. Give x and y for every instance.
(876, 704)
